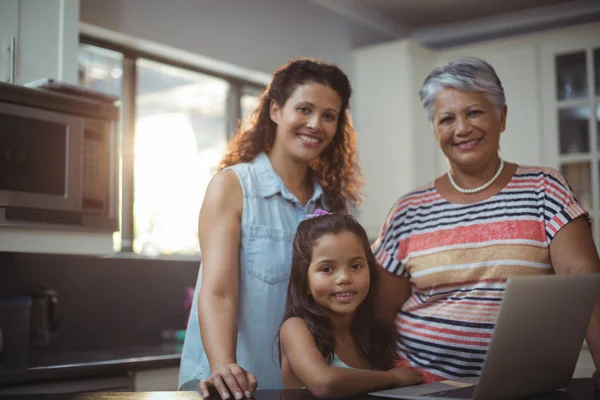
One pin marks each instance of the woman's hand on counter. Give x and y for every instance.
(230, 378)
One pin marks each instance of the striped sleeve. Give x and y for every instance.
(387, 244)
(560, 204)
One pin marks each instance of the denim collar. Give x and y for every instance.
(271, 184)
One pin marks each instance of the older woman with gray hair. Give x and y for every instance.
(451, 245)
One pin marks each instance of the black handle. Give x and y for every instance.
(53, 314)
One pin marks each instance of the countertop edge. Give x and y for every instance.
(121, 366)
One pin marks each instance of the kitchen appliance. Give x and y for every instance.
(58, 157)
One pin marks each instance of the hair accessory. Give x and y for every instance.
(317, 213)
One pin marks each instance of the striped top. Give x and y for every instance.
(458, 258)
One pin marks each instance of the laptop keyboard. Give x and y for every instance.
(455, 393)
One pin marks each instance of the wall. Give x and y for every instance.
(395, 134)
(261, 34)
(396, 145)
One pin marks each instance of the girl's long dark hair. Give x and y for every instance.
(374, 339)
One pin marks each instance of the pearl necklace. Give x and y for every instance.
(479, 188)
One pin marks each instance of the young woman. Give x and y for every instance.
(298, 155)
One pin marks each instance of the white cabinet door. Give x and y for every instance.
(9, 17)
(570, 89)
(46, 38)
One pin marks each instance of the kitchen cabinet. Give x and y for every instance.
(161, 379)
(570, 70)
(9, 12)
(38, 39)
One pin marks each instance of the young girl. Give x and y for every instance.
(330, 341)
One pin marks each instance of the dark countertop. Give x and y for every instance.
(580, 389)
(79, 364)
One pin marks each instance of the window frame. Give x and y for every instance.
(126, 139)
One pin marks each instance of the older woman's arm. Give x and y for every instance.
(572, 251)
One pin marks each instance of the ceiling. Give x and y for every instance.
(414, 14)
(423, 18)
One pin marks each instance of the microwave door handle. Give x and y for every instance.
(11, 59)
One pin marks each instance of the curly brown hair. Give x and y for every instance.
(336, 168)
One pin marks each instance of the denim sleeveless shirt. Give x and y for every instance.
(271, 214)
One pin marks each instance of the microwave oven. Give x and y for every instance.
(58, 159)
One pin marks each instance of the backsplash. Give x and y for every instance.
(104, 302)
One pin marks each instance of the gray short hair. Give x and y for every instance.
(467, 74)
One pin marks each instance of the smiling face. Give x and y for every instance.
(467, 128)
(338, 274)
(307, 122)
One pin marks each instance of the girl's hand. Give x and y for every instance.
(405, 376)
(230, 378)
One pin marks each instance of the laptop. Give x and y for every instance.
(535, 346)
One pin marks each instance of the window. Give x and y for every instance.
(180, 121)
(249, 102)
(101, 69)
(179, 141)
